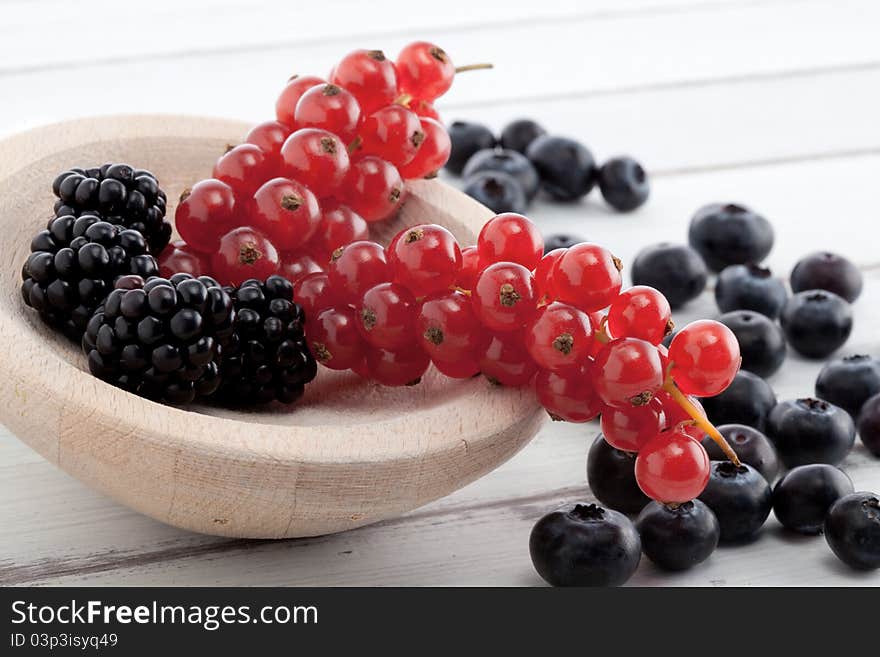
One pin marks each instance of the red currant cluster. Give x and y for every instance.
(503, 309)
(311, 181)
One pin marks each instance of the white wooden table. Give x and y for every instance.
(772, 103)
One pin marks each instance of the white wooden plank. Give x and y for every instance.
(574, 56)
(38, 35)
(813, 205)
(52, 525)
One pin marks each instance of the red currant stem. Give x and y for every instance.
(704, 424)
(456, 288)
(356, 144)
(472, 67)
(403, 99)
(601, 334)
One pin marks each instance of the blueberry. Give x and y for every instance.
(678, 537)
(849, 382)
(761, 341)
(803, 496)
(741, 499)
(810, 431)
(676, 270)
(751, 446)
(467, 138)
(567, 168)
(750, 287)
(497, 191)
(560, 241)
(612, 478)
(517, 135)
(827, 271)
(624, 183)
(747, 400)
(869, 425)
(730, 234)
(852, 529)
(816, 322)
(585, 545)
(514, 164)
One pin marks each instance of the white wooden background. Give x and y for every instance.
(773, 103)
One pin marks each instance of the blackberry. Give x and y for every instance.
(119, 194)
(162, 338)
(267, 358)
(73, 265)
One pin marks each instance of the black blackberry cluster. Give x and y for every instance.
(73, 265)
(119, 194)
(161, 338)
(267, 358)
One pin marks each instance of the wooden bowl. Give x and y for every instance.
(351, 453)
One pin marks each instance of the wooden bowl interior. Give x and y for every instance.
(349, 453)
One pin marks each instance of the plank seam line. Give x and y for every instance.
(672, 85)
(530, 21)
(805, 158)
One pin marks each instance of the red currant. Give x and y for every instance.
(640, 312)
(705, 358)
(244, 253)
(470, 268)
(506, 361)
(206, 213)
(560, 336)
(393, 133)
(356, 268)
(628, 429)
(374, 188)
(674, 416)
(504, 296)
(449, 329)
(244, 168)
(587, 276)
(397, 368)
(457, 369)
(543, 271)
(387, 317)
(424, 71)
(672, 468)
(425, 259)
(627, 372)
(568, 394)
(313, 293)
(287, 212)
(425, 109)
(269, 136)
(334, 339)
(180, 257)
(432, 154)
(340, 225)
(294, 267)
(331, 108)
(293, 91)
(510, 237)
(316, 158)
(370, 76)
